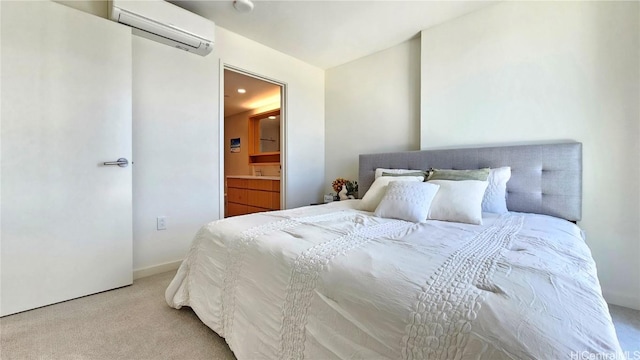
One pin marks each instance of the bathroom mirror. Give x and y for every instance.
(264, 137)
(270, 134)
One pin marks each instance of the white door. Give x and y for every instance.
(66, 228)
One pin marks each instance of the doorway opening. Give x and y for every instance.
(253, 129)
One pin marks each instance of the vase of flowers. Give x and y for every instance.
(346, 188)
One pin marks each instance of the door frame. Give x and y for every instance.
(283, 131)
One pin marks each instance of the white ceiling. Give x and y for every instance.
(331, 33)
(259, 93)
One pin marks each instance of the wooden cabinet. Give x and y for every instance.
(270, 158)
(246, 196)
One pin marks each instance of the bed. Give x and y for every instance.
(336, 281)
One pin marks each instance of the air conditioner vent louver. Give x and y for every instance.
(165, 23)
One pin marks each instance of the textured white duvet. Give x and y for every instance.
(329, 281)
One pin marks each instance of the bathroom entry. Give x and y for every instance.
(253, 136)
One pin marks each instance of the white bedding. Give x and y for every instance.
(329, 281)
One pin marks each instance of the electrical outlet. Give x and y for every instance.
(161, 223)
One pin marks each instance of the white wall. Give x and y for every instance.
(372, 105)
(303, 115)
(176, 137)
(522, 72)
(177, 140)
(175, 149)
(95, 7)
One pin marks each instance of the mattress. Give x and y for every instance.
(331, 281)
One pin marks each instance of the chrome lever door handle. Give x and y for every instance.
(122, 162)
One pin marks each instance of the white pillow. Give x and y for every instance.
(495, 197)
(407, 200)
(379, 171)
(374, 195)
(458, 201)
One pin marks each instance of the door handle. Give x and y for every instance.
(122, 162)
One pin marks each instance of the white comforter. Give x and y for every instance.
(329, 281)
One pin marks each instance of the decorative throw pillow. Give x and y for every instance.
(379, 171)
(424, 174)
(407, 200)
(458, 175)
(495, 197)
(458, 201)
(374, 195)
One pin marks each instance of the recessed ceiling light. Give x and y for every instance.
(242, 91)
(272, 117)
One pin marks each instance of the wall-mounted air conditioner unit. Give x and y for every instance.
(165, 23)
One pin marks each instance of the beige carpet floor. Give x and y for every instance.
(134, 322)
(627, 322)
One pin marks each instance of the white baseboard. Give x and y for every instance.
(621, 299)
(156, 269)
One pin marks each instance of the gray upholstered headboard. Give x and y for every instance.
(545, 179)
